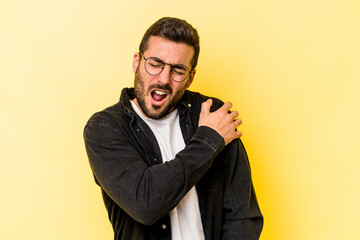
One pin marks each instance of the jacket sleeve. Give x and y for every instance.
(243, 218)
(145, 192)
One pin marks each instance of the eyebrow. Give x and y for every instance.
(157, 59)
(177, 65)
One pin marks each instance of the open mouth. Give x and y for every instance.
(158, 95)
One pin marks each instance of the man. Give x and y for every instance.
(169, 161)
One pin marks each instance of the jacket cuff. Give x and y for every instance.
(211, 137)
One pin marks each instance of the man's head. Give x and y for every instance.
(165, 66)
(176, 30)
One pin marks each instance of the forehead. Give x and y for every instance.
(169, 51)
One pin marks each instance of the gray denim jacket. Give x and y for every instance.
(139, 190)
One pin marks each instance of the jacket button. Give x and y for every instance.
(163, 226)
(155, 159)
(189, 105)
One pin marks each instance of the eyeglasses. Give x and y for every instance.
(154, 66)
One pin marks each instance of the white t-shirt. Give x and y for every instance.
(185, 217)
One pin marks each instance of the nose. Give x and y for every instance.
(164, 76)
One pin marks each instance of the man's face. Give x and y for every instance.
(157, 96)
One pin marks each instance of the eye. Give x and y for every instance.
(155, 65)
(180, 69)
(154, 62)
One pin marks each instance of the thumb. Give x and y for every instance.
(205, 106)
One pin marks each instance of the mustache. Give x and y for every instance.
(161, 86)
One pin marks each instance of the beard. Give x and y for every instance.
(155, 111)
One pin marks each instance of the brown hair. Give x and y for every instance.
(176, 30)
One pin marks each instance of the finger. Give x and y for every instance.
(234, 136)
(238, 134)
(205, 106)
(234, 114)
(237, 122)
(226, 107)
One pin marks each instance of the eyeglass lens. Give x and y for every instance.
(155, 66)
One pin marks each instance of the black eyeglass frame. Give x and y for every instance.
(164, 63)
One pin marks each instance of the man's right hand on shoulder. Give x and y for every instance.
(222, 121)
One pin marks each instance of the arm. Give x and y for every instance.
(243, 219)
(146, 193)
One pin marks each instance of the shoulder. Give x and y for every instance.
(111, 120)
(106, 115)
(197, 99)
(117, 114)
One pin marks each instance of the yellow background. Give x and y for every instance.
(291, 67)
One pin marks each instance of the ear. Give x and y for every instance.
(191, 78)
(136, 61)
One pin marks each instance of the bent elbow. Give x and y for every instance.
(148, 216)
(147, 219)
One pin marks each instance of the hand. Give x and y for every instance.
(221, 120)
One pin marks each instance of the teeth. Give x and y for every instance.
(160, 92)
